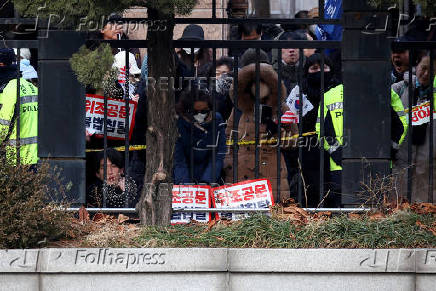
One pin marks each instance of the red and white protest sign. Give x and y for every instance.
(421, 114)
(289, 117)
(191, 196)
(116, 117)
(251, 194)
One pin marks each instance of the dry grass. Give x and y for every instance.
(402, 226)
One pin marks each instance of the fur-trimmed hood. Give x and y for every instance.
(268, 78)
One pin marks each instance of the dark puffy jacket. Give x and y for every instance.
(202, 144)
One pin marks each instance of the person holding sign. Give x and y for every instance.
(420, 132)
(193, 155)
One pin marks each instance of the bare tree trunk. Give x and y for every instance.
(155, 204)
(262, 8)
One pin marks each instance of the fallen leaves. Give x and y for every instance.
(425, 227)
(322, 215)
(211, 224)
(354, 215)
(122, 218)
(83, 215)
(101, 218)
(102, 230)
(423, 208)
(296, 214)
(376, 216)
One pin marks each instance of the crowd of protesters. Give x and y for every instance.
(204, 148)
(215, 113)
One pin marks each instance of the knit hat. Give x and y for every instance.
(250, 57)
(193, 32)
(7, 56)
(113, 18)
(24, 53)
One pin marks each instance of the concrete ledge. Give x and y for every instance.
(132, 260)
(218, 269)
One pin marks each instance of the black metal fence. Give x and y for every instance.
(321, 46)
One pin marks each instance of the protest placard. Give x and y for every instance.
(250, 194)
(191, 196)
(116, 117)
(421, 113)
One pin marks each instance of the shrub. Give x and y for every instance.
(27, 217)
(91, 66)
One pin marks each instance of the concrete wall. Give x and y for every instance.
(217, 269)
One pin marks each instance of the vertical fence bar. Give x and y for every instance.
(191, 86)
(321, 9)
(431, 154)
(213, 8)
(105, 152)
(321, 133)
(409, 134)
(127, 128)
(18, 110)
(300, 128)
(279, 122)
(256, 115)
(214, 120)
(235, 131)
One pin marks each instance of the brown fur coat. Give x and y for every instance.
(246, 129)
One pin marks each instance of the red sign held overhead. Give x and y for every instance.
(116, 117)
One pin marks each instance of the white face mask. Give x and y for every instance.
(188, 50)
(200, 117)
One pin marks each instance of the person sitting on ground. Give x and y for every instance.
(193, 155)
(119, 188)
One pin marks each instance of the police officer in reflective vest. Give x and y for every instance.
(28, 112)
(334, 139)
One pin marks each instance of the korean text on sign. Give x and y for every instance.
(421, 114)
(116, 117)
(190, 196)
(251, 194)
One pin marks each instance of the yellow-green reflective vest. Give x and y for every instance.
(333, 102)
(398, 106)
(28, 121)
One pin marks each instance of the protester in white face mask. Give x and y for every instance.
(193, 155)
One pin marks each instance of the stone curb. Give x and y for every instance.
(91, 260)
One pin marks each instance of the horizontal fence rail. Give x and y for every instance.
(270, 44)
(211, 210)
